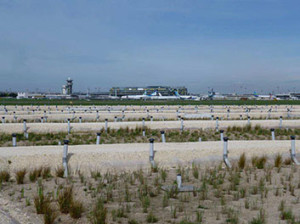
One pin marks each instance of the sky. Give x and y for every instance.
(228, 45)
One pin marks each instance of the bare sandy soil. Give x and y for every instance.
(62, 113)
(134, 156)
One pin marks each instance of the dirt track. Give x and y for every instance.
(134, 156)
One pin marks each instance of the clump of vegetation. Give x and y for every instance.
(34, 174)
(49, 214)
(59, 171)
(4, 176)
(65, 199)
(278, 161)
(98, 214)
(20, 176)
(41, 201)
(242, 161)
(46, 173)
(151, 218)
(76, 209)
(259, 162)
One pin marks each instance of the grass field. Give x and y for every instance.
(5, 101)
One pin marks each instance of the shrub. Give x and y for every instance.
(287, 215)
(76, 209)
(46, 173)
(132, 221)
(40, 201)
(49, 214)
(34, 174)
(278, 161)
(59, 171)
(65, 198)
(99, 213)
(242, 161)
(4, 176)
(20, 175)
(261, 162)
(195, 169)
(151, 218)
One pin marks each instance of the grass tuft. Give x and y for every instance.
(242, 161)
(20, 176)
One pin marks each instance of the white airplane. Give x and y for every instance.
(266, 97)
(137, 97)
(187, 97)
(157, 96)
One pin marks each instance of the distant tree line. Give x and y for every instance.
(8, 94)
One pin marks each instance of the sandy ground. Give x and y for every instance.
(62, 113)
(134, 156)
(60, 117)
(96, 126)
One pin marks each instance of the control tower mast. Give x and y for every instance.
(69, 86)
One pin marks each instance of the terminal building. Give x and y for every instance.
(163, 90)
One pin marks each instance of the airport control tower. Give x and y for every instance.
(69, 86)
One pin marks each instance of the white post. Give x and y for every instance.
(80, 119)
(225, 152)
(212, 117)
(248, 120)
(163, 138)
(69, 126)
(14, 140)
(116, 119)
(151, 118)
(24, 125)
(200, 139)
(280, 122)
(182, 126)
(217, 123)
(144, 132)
(273, 133)
(3, 120)
(241, 117)
(222, 134)
(179, 181)
(293, 151)
(151, 152)
(143, 122)
(42, 119)
(65, 157)
(98, 138)
(97, 116)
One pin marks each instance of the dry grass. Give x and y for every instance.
(4, 176)
(20, 176)
(65, 199)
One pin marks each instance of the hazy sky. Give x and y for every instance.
(237, 45)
